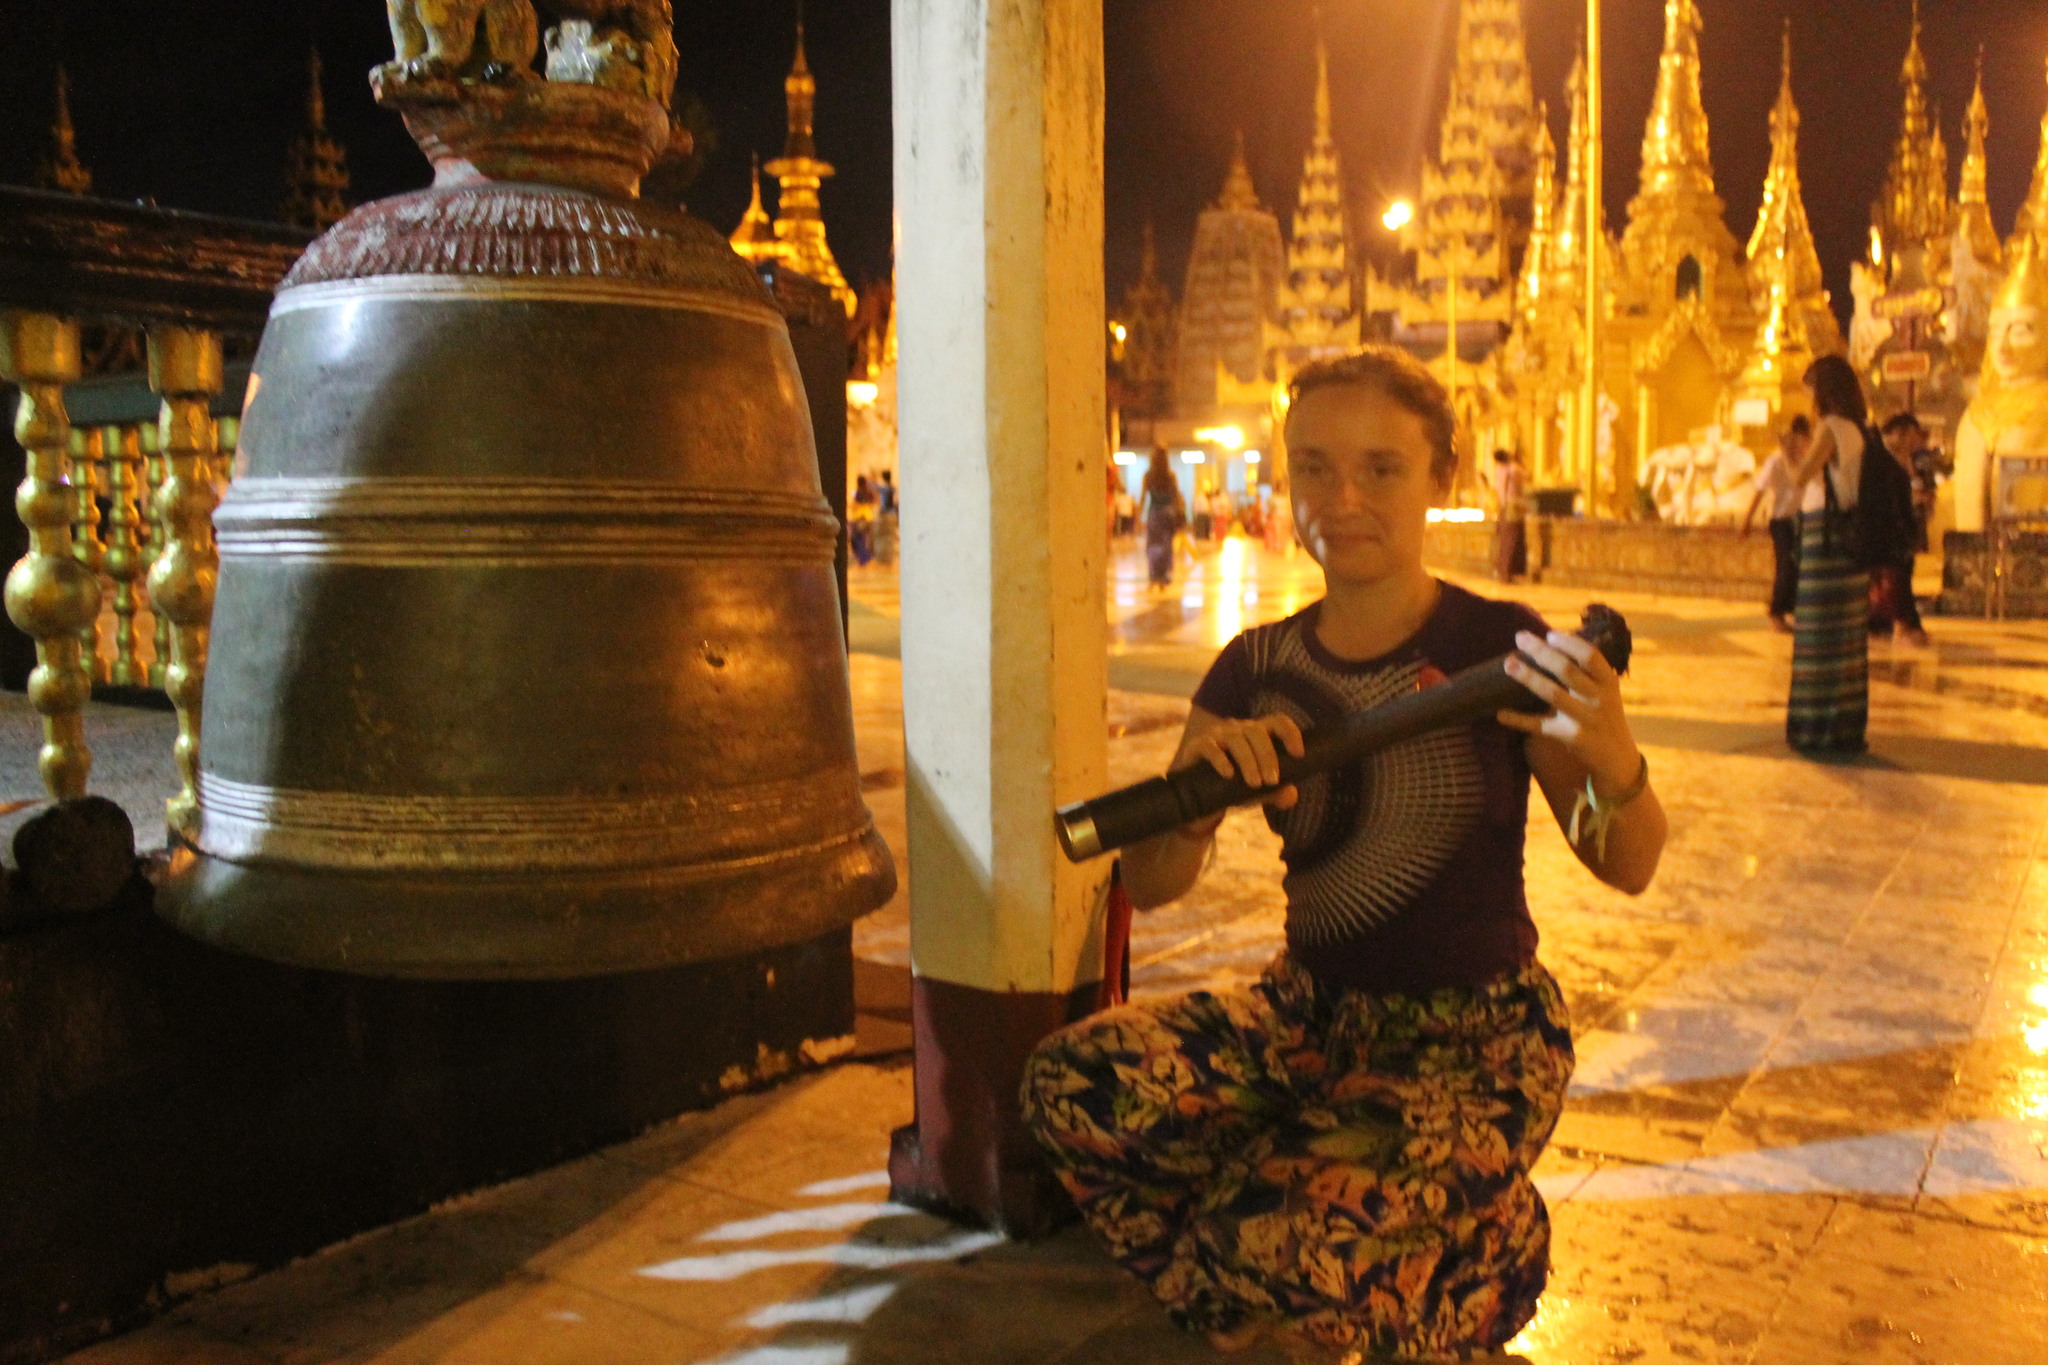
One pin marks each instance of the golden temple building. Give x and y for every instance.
(799, 219)
(1318, 315)
(316, 176)
(1230, 297)
(61, 169)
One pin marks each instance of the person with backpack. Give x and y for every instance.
(1829, 709)
(1893, 609)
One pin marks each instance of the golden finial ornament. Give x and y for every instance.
(185, 371)
(50, 594)
(61, 169)
(1677, 152)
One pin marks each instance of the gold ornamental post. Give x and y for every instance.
(124, 560)
(50, 594)
(1589, 402)
(185, 371)
(88, 450)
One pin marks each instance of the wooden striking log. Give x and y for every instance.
(1088, 829)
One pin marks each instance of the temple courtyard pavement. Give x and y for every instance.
(1809, 1125)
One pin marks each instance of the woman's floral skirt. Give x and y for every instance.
(1357, 1165)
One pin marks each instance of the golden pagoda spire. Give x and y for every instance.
(62, 170)
(1784, 262)
(800, 221)
(316, 177)
(1571, 210)
(1238, 190)
(1316, 314)
(1542, 253)
(2033, 216)
(1973, 205)
(1677, 155)
(755, 237)
(1914, 210)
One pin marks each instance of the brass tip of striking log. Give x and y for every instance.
(1078, 837)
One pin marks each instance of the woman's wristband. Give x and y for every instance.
(1593, 814)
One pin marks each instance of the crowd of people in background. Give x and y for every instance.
(872, 524)
(1162, 514)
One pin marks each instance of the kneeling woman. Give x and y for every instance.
(1344, 1150)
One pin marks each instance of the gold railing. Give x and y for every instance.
(117, 585)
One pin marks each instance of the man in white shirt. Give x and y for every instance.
(1774, 483)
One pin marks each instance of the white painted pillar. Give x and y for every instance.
(1001, 394)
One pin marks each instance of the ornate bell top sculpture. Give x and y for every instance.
(2009, 417)
(527, 656)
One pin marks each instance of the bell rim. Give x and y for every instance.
(507, 927)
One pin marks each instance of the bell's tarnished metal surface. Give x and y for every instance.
(526, 656)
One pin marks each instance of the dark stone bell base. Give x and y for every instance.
(167, 1108)
(1966, 575)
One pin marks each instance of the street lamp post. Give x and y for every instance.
(1595, 191)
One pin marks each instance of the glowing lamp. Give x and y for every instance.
(1193, 457)
(1253, 457)
(862, 393)
(1399, 214)
(1223, 438)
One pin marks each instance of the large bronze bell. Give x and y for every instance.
(526, 656)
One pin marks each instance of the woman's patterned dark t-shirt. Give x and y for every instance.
(1404, 872)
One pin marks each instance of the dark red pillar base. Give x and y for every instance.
(967, 1155)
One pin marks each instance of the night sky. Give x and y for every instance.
(193, 104)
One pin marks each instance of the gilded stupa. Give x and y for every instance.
(1318, 317)
(1541, 358)
(1230, 297)
(1476, 207)
(316, 176)
(1785, 275)
(1914, 213)
(799, 220)
(1682, 312)
(61, 169)
(1976, 255)
(2033, 214)
(1147, 317)
(755, 237)
(1913, 367)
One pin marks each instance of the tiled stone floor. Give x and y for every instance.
(1810, 1123)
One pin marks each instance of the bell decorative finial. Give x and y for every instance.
(463, 78)
(61, 169)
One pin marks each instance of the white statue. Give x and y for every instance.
(1867, 331)
(2009, 417)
